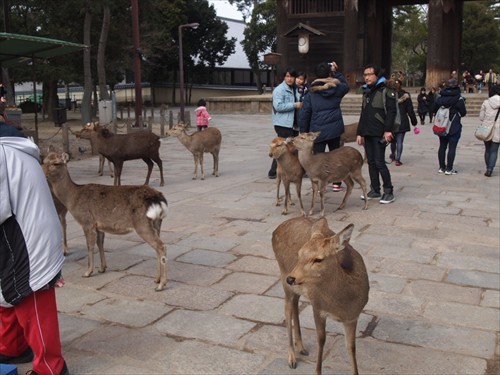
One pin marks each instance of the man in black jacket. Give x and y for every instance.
(375, 128)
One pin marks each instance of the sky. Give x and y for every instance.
(224, 9)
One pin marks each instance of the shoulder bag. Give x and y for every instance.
(484, 132)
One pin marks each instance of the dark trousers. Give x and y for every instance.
(449, 142)
(332, 145)
(397, 146)
(375, 154)
(490, 154)
(282, 132)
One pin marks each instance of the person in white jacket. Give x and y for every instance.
(490, 114)
(31, 258)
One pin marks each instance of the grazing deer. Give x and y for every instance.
(341, 164)
(324, 267)
(112, 209)
(198, 143)
(119, 148)
(288, 170)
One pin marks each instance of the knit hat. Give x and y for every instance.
(452, 82)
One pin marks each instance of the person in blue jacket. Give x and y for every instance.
(286, 99)
(321, 109)
(450, 97)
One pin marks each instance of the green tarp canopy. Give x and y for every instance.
(16, 49)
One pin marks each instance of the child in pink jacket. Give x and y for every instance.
(202, 115)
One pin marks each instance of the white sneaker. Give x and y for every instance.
(450, 172)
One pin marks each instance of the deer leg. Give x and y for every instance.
(298, 188)
(150, 164)
(287, 196)
(111, 172)
(149, 233)
(296, 326)
(201, 166)
(101, 165)
(195, 166)
(315, 189)
(62, 219)
(278, 183)
(100, 246)
(215, 154)
(90, 236)
(320, 323)
(159, 163)
(350, 183)
(350, 343)
(289, 313)
(358, 177)
(118, 172)
(322, 189)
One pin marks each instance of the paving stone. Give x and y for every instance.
(483, 264)
(206, 258)
(332, 326)
(208, 359)
(434, 291)
(204, 325)
(447, 338)
(255, 308)
(384, 283)
(410, 270)
(118, 311)
(256, 265)
(246, 283)
(463, 315)
(491, 298)
(474, 278)
(71, 299)
(394, 304)
(73, 327)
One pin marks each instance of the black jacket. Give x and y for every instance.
(375, 119)
(405, 109)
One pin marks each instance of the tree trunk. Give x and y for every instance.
(87, 74)
(101, 53)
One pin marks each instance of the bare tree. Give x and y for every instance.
(101, 53)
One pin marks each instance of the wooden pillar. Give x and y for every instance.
(444, 41)
(351, 63)
(282, 41)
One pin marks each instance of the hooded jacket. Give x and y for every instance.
(321, 108)
(450, 97)
(31, 254)
(405, 109)
(487, 115)
(202, 116)
(284, 99)
(377, 114)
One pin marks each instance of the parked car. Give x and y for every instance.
(29, 107)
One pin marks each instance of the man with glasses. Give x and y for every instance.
(375, 131)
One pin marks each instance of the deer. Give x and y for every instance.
(102, 159)
(198, 143)
(101, 209)
(119, 148)
(288, 170)
(61, 213)
(349, 134)
(322, 266)
(341, 164)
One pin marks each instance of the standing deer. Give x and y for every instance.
(93, 145)
(288, 170)
(198, 143)
(324, 267)
(112, 209)
(341, 164)
(119, 148)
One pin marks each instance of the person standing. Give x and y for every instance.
(405, 106)
(490, 78)
(286, 99)
(422, 105)
(480, 80)
(202, 115)
(31, 257)
(450, 97)
(375, 127)
(489, 113)
(431, 97)
(321, 109)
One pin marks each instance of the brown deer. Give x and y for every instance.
(61, 212)
(119, 148)
(324, 267)
(341, 164)
(198, 143)
(111, 209)
(288, 170)
(349, 134)
(93, 145)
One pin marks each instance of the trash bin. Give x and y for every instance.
(59, 115)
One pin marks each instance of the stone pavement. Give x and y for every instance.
(432, 256)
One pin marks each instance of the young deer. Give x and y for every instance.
(198, 143)
(289, 170)
(324, 267)
(341, 164)
(119, 148)
(112, 209)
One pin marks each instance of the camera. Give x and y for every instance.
(383, 142)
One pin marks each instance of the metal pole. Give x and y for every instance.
(137, 63)
(181, 74)
(193, 25)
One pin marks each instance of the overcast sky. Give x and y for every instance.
(224, 9)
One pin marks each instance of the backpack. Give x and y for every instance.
(442, 121)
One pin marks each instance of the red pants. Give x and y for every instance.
(33, 322)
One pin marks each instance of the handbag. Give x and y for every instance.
(484, 132)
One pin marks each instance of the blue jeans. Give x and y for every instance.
(375, 154)
(490, 154)
(397, 146)
(449, 142)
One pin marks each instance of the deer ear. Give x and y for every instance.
(289, 140)
(343, 237)
(52, 148)
(320, 227)
(315, 135)
(65, 157)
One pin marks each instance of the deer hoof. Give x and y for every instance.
(284, 212)
(87, 274)
(203, 178)
(102, 270)
(160, 287)
(304, 352)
